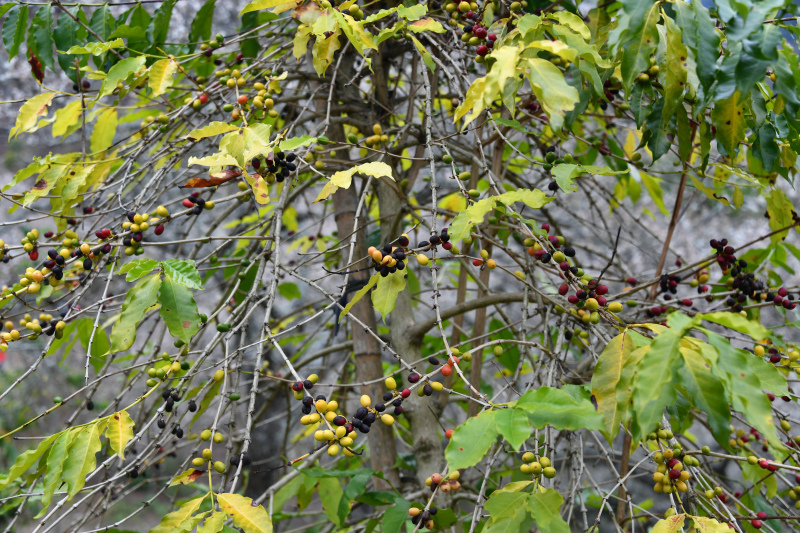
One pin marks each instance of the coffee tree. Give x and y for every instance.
(458, 266)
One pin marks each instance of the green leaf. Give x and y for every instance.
(513, 425)
(81, 460)
(138, 299)
(707, 51)
(395, 516)
(25, 460)
(653, 385)
(179, 520)
(384, 297)
(544, 506)
(178, 309)
(162, 76)
(653, 186)
(30, 112)
(373, 280)
(102, 22)
(609, 377)
(565, 173)
(214, 128)
(676, 70)
(706, 392)
(104, 130)
(96, 48)
(737, 322)
(14, 29)
(183, 272)
(201, 24)
(137, 268)
(297, 142)
(551, 89)
(507, 512)
(290, 291)
(119, 432)
(40, 36)
(728, 116)
(344, 178)
(120, 72)
(471, 440)
(159, 27)
(69, 33)
(413, 12)
(330, 494)
(642, 42)
(55, 466)
(565, 408)
(252, 519)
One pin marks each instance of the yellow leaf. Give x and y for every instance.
(673, 524)
(261, 4)
(67, 116)
(119, 432)
(709, 525)
(426, 25)
(187, 477)
(174, 520)
(104, 130)
(344, 178)
(558, 48)
(260, 188)
(250, 519)
(573, 22)
(216, 160)
(552, 90)
(215, 128)
(162, 76)
(301, 39)
(30, 112)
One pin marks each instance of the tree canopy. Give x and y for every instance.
(456, 266)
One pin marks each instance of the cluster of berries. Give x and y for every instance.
(670, 474)
(278, 168)
(542, 467)
(389, 259)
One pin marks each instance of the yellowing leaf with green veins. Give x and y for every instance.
(119, 432)
(120, 72)
(240, 508)
(607, 378)
(462, 224)
(81, 458)
(104, 130)
(355, 32)
(219, 159)
(676, 69)
(551, 89)
(30, 113)
(300, 46)
(426, 56)
(26, 460)
(573, 22)
(426, 25)
(258, 5)
(673, 524)
(260, 187)
(162, 76)
(213, 524)
(384, 297)
(187, 477)
(728, 116)
(781, 213)
(214, 128)
(180, 519)
(323, 50)
(344, 178)
(473, 101)
(358, 295)
(97, 48)
(558, 48)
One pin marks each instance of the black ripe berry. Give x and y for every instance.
(545, 258)
(134, 473)
(413, 377)
(192, 406)
(179, 432)
(161, 423)
(553, 186)
(339, 420)
(308, 385)
(90, 405)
